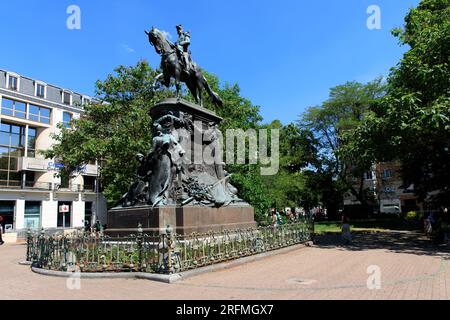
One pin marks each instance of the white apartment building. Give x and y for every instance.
(31, 195)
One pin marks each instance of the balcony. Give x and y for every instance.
(89, 170)
(74, 188)
(33, 164)
(46, 186)
(45, 165)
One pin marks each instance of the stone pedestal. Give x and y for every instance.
(179, 107)
(199, 196)
(183, 220)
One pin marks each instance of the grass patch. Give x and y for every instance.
(368, 225)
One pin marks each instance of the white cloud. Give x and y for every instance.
(128, 48)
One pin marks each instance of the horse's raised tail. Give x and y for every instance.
(213, 95)
(216, 99)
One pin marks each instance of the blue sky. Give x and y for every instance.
(285, 55)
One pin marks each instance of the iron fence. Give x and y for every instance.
(164, 253)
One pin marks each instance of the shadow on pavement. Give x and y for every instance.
(409, 242)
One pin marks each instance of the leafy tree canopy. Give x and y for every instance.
(411, 123)
(331, 123)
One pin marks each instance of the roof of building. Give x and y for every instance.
(46, 83)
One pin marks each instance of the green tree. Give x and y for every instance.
(331, 123)
(289, 188)
(411, 123)
(252, 189)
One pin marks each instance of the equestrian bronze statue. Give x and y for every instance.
(176, 62)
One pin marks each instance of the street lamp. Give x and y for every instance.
(97, 191)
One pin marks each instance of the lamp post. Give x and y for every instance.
(97, 190)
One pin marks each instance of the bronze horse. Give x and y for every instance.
(173, 68)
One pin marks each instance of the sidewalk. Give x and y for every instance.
(411, 268)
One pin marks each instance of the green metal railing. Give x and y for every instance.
(164, 253)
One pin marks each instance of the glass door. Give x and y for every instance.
(32, 215)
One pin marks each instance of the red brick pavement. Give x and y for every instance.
(411, 268)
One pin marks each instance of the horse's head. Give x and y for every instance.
(158, 40)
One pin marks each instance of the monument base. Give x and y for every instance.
(183, 220)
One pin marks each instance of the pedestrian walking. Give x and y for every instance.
(346, 232)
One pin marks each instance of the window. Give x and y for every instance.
(67, 98)
(89, 183)
(13, 82)
(12, 135)
(12, 141)
(67, 118)
(86, 100)
(30, 179)
(32, 134)
(387, 174)
(39, 114)
(368, 175)
(40, 90)
(14, 108)
(32, 215)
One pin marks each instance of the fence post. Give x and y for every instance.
(139, 240)
(64, 253)
(169, 231)
(310, 229)
(41, 246)
(162, 252)
(29, 242)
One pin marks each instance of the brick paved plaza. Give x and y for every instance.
(411, 268)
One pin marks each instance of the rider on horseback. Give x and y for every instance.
(182, 47)
(176, 63)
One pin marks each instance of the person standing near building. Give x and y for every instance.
(1, 231)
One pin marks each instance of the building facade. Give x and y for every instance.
(31, 194)
(393, 195)
(384, 184)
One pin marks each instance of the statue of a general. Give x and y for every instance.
(176, 62)
(182, 46)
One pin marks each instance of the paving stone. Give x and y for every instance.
(411, 268)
